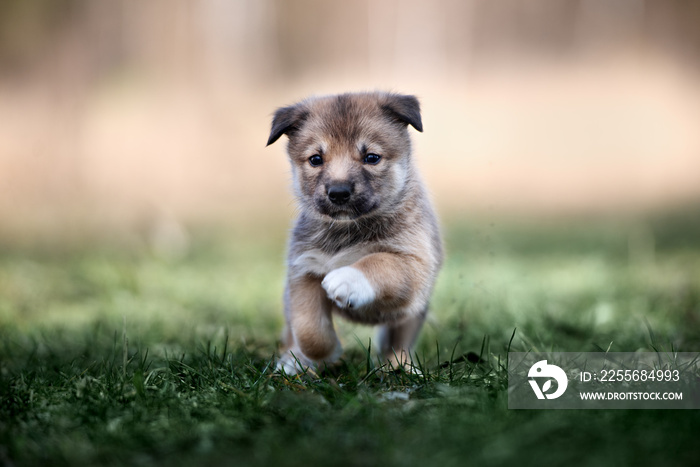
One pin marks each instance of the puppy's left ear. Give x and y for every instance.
(286, 121)
(405, 109)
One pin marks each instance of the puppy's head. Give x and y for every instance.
(350, 153)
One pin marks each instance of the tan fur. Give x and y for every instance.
(312, 329)
(373, 258)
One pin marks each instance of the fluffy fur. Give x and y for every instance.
(366, 244)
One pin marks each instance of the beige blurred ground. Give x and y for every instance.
(120, 115)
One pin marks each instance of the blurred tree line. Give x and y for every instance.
(119, 109)
(282, 38)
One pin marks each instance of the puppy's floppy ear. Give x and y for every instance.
(405, 109)
(286, 120)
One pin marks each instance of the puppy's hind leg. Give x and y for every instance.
(395, 341)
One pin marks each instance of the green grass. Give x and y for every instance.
(118, 356)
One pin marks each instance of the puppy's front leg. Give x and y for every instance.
(309, 316)
(384, 282)
(384, 279)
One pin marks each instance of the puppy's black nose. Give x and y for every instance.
(339, 193)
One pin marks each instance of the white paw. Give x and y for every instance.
(294, 362)
(348, 288)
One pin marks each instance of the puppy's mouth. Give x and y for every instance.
(347, 212)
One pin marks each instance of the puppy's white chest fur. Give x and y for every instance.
(317, 263)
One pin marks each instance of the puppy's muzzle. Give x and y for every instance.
(339, 193)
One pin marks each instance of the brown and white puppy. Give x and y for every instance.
(366, 244)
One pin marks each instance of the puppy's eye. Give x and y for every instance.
(371, 159)
(315, 160)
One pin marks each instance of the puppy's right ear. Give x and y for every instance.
(286, 121)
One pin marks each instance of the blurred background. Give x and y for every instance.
(127, 117)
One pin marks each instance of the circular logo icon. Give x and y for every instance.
(547, 373)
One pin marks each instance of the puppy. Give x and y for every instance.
(366, 245)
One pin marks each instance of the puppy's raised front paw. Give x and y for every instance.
(348, 288)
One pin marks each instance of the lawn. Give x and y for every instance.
(114, 354)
